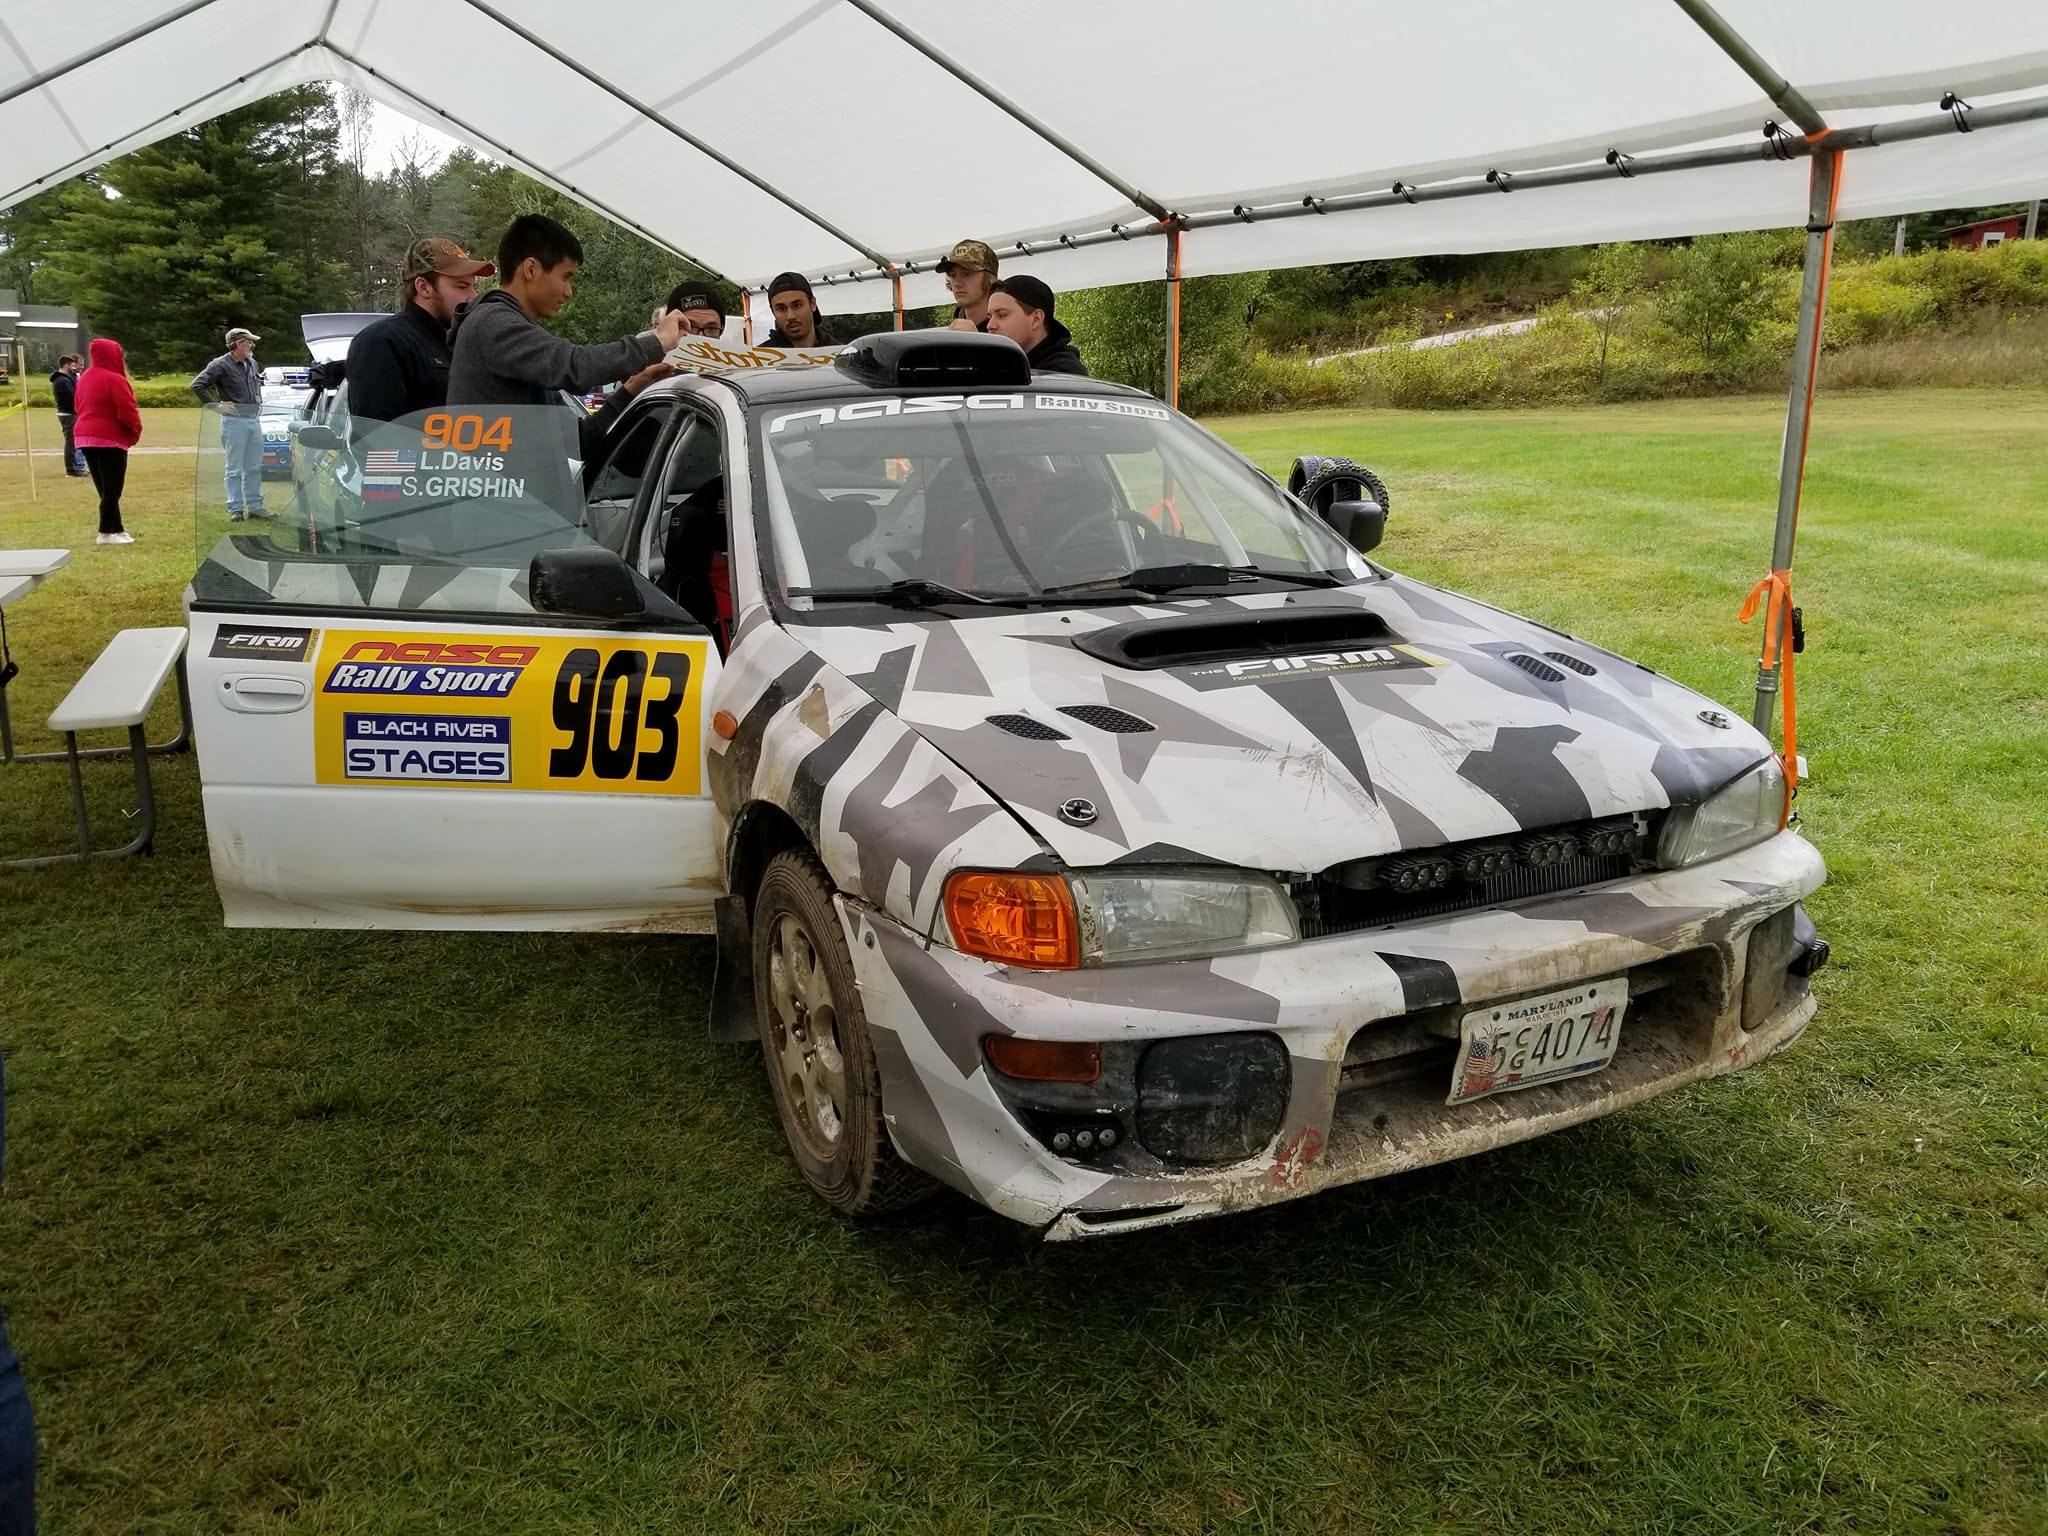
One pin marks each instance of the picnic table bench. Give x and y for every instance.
(116, 693)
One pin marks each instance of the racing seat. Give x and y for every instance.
(694, 566)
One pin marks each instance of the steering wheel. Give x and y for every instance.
(1100, 529)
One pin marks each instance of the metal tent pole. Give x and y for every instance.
(1825, 189)
(28, 452)
(2033, 218)
(896, 290)
(1173, 314)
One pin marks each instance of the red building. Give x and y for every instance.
(1974, 237)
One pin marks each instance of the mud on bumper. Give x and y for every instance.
(1714, 956)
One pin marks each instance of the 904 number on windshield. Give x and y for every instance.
(620, 716)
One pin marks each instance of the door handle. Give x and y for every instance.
(258, 693)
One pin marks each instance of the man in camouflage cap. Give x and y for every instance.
(399, 365)
(970, 273)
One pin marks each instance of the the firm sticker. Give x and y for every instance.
(461, 749)
(1280, 669)
(262, 643)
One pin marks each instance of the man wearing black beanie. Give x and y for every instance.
(1020, 308)
(796, 313)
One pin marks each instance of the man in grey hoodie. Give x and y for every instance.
(502, 354)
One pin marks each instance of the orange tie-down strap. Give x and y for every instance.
(1778, 655)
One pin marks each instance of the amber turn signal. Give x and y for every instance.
(1045, 1061)
(1017, 919)
(723, 726)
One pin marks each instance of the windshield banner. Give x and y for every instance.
(705, 354)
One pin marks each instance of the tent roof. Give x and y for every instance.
(831, 136)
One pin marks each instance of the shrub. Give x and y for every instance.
(1720, 289)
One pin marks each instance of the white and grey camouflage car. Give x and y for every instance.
(1084, 823)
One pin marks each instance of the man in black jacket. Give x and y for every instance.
(1020, 308)
(64, 386)
(399, 365)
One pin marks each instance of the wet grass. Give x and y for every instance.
(399, 1233)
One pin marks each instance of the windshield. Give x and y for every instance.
(1022, 497)
(442, 511)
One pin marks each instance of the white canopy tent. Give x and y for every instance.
(1116, 140)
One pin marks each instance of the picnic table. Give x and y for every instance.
(21, 572)
(33, 563)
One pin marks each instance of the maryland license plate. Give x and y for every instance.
(1539, 1039)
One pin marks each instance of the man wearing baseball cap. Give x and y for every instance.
(232, 384)
(702, 310)
(970, 273)
(1021, 309)
(399, 365)
(796, 313)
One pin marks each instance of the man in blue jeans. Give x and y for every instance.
(17, 1427)
(232, 384)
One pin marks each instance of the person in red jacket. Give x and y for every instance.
(108, 426)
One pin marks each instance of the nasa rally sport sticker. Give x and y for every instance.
(593, 713)
(1280, 669)
(257, 642)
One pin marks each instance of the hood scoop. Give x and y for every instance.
(1150, 644)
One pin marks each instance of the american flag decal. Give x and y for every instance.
(385, 471)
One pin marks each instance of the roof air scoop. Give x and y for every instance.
(934, 360)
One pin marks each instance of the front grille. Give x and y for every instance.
(1406, 1061)
(1486, 872)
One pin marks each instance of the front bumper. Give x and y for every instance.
(1683, 937)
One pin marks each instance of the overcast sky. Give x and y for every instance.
(388, 127)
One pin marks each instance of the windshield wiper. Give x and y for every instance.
(912, 592)
(1158, 580)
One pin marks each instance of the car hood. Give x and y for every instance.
(1453, 720)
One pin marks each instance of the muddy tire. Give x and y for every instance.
(815, 1042)
(1320, 481)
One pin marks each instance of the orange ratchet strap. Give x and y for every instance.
(1778, 655)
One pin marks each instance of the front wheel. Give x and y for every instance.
(814, 1039)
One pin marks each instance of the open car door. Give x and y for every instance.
(395, 732)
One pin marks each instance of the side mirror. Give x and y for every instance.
(583, 583)
(1361, 524)
(324, 438)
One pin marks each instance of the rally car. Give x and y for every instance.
(1085, 823)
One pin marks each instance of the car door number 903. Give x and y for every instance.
(602, 705)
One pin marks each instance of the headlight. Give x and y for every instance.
(1104, 918)
(1178, 914)
(1735, 817)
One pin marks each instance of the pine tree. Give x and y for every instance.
(205, 230)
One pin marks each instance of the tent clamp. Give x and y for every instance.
(1958, 109)
(1243, 212)
(1500, 179)
(1400, 189)
(1313, 203)
(1119, 231)
(1782, 145)
(1623, 164)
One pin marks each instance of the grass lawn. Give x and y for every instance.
(367, 1232)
